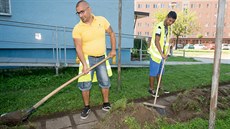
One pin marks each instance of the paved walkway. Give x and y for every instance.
(71, 121)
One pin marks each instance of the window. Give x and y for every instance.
(147, 5)
(146, 33)
(5, 8)
(139, 24)
(154, 5)
(139, 6)
(192, 6)
(162, 5)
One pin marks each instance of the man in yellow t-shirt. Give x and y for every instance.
(89, 40)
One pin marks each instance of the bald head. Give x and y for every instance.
(82, 2)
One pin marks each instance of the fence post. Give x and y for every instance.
(216, 65)
(65, 46)
(183, 53)
(141, 51)
(57, 52)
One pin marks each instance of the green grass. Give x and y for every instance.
(222, 122)
(21, 89)
(198, 53)
(180, 59)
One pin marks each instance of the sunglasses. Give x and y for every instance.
(82, 11)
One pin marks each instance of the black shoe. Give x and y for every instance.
(152, 92)
(106, 107)
(164, 91)
(85, 113)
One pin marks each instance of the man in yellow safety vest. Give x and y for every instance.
(158, 49)
(89, 40)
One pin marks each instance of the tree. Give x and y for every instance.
(185, 24)
(199, 36)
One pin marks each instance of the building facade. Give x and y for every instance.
(42, 30)
(205, 10)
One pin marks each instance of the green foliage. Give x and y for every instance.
(199, 36)
(159, 16)
(135, 51)
(185, 24)
(132, 122)
(21, 90)
(180, 59)
(119, 104)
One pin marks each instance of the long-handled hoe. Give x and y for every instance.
(13, 118)
(158, 86)
(157, 106)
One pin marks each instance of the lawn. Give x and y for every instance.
(21, 89)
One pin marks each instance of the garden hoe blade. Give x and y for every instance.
(17, 117)
(14, 118)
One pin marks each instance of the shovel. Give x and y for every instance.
(16, 117)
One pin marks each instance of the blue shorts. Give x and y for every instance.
(155, 68)
(101, 72)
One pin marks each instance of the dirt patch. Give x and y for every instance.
(183, 107)
(196, 103)
(123, 118)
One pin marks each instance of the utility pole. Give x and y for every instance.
(216, 67)
(119, 46)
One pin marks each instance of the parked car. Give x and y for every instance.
(210, 46)
(179, 46)
(225, 46)
(189, 46)
(199, 46)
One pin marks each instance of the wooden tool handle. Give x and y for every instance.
(65, 84)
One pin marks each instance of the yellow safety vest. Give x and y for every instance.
(87, 77)
(153, 51)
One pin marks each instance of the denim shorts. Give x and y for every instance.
(155, 68)
(101, 72)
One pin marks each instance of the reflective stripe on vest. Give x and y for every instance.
(153, 51)
(87, 77)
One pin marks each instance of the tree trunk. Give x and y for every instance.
(177, 39)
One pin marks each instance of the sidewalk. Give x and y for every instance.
(73, 121)
(70, 121)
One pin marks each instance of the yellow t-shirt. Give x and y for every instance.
(92, 36)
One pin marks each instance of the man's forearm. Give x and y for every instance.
(113, 41)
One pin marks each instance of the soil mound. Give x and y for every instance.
(124, 119)
(196, 103)
(186, 106)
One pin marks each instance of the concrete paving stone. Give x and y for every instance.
(78, 120)
(163, 102)
(171, 98)
(87, 126)
(38, 125)
(101, 113)
(68, 128)
(58, 123)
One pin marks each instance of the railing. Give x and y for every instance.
(55, 40)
